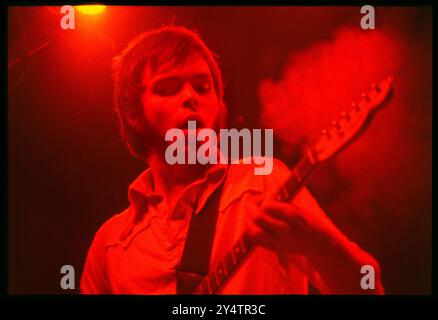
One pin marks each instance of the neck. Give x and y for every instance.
(170, 180)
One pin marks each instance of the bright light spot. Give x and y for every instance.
(91, 9)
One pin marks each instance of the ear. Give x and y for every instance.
(223, 115)
(135, 120)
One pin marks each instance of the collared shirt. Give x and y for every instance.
(138, 250)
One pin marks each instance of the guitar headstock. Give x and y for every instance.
(352, 122)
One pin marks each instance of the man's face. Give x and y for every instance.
(174, 97)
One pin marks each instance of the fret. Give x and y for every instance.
(283, 193)
(242, 247)
(220, 273)
(292, 184)
(280, 194)
(305, 165)
(225, 268)
(297, 175)
(246, 242)
(238, 251)
(233, 257)
(222, 269)
(286, 191)
(229, 262)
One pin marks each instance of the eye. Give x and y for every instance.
(202, 85)
(167, 87)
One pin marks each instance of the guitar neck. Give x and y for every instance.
(241, 249)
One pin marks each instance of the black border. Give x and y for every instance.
(163, 304)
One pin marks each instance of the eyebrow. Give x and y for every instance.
(196, 76)
(202, 75)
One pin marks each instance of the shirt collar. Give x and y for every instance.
(141, 192)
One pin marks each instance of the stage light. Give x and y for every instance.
(91, 9)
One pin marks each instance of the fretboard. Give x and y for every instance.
(241, 249)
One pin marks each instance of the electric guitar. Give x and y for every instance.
(351, 125)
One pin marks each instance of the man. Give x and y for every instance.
(163, 79)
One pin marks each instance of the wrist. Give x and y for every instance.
(332, 248)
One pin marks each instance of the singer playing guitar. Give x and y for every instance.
(162, 79)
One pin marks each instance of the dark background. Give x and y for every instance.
(68, 170)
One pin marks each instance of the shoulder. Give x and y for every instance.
(112, 230)
(242, 177)
(257, 170)
(259, 166)
(94, 277)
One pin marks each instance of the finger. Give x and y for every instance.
(253, 210)
(265, 221)
(262, 238)
(271, 224)
(258, 199)
(254, 204)
(284, 211)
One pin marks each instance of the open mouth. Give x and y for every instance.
(192, 117)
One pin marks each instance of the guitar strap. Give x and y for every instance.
(196, 256)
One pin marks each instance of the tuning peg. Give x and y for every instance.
(365, 96)
(336, 125)
(325, 133)
(345, 115)
(375, 87)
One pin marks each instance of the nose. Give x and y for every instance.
(190, 98)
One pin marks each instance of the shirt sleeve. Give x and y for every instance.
(292, 262)
(94, 278)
